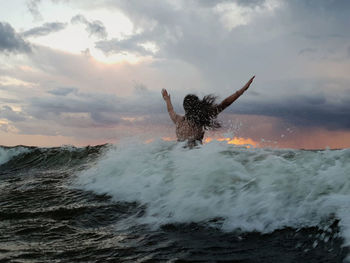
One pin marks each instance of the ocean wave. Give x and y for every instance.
(24, 157)
(7, 153)
(243, 189)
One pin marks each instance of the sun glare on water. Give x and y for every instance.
(246, 142)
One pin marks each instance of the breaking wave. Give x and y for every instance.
(24, 157)
(230, 187)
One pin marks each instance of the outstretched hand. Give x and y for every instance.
(246, 86)
(165, 94)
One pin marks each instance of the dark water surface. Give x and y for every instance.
(44, 219)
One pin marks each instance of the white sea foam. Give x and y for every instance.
(7, 153)
(249, 189)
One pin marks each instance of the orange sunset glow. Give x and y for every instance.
(248, 142)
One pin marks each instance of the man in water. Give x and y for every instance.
(200, 115)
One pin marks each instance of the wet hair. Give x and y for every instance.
(201, 112)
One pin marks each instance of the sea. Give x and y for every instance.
(163, 202)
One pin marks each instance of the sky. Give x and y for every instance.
(89, 72)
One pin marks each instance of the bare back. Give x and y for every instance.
(185, 130)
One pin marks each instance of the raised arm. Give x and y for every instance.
(228, 101)
(173, 116)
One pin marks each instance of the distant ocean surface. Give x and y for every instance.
(160, 202)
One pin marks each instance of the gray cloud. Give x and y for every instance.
(69, 107)
(132, 45)
(10, 41)
(6, 112)
(5, 100)
(62, 91)
(32, 6)
(212, 3)
(103, 108)
(105, 118)
(94, 28)
(195, 33)
(320, 20)
(307, 50)
(39, 107)
(299, 112)
(44, 30)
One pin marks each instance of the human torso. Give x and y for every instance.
(185, 130)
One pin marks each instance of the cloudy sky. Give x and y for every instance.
(89, 72)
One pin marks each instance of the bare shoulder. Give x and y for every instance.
(179, 118)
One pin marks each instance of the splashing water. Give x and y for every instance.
(248, 189)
